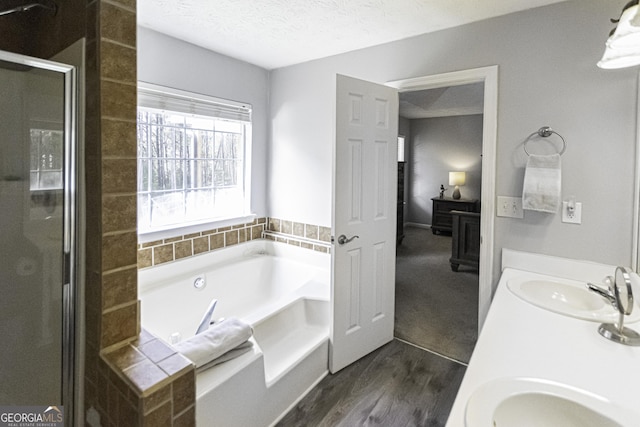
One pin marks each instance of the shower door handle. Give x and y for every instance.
(343, 240)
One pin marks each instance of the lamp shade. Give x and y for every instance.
(619, 58)
(627, 33)
(623, 47)
(457, 178)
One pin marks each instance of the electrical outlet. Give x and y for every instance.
(510, 207)
(572, 216)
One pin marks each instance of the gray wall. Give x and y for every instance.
(404, 128)
(440, 145)
(547, 76)
(166, 61)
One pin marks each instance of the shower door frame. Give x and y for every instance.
(70, 214)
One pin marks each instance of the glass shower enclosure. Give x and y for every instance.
(37, 231)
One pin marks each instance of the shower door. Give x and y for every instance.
(37, 217)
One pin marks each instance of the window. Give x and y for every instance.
(192, 159)
(46, 151)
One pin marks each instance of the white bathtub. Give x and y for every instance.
(282, 291)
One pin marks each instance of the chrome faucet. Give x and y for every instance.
(206, 319)
(608, 293)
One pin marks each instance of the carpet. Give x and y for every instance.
(435, 308)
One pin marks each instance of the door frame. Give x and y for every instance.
(489, 77)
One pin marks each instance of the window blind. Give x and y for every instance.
(169, 99)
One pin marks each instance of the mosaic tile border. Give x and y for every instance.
(308, 236)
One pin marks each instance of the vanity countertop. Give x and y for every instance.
(520, 340)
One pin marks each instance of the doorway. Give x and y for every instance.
(487, 78)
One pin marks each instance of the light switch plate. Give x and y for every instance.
(510, 207)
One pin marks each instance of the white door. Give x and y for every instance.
(364, 205)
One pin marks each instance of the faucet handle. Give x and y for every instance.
(609, 281)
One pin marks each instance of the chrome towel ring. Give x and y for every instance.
(545, 132)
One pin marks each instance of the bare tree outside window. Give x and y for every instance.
(190, 168)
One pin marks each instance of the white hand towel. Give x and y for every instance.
(542, 182)
(231, 354)
(215, 341)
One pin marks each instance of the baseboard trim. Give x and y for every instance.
(417, 225)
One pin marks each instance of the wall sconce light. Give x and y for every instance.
(457, 179)
(623, 46)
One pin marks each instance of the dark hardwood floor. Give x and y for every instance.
(397, 385)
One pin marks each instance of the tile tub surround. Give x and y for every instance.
(308, 236)
(152, 390)
(149, 383)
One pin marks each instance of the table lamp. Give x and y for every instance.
(457, 179)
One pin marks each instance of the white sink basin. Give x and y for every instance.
(527, 402)
(568, 298)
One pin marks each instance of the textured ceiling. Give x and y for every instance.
(443, 102)
(277, 33)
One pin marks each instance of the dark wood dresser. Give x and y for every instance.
(442, 208)
(465, 242)
(400, 220)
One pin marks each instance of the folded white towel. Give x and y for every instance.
(542, 183)
(231, 354)
(215, 341)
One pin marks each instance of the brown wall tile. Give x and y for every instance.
(325, 234)
(119, 287)
(119, 138)
(124, 357)
(186, 419)
(174, 239)
(216, 241)
(117, 24)
(154, 243)
(285, 227)
(144, 376)
(183, 249)
(127, 413)
(145, 258)
(119, 213)
(117, 62)
(119, 176)
(200, 245)
(162, 254)
(231, 238)
(160, 417)
(118, 100)
(175, 364)
(156, 350)
(155, 399)
(119, 324)
(298, 229)
(119, 250)
(256, 232)
(129, 4)
(274, 224)
(311, 231)
(184, 392)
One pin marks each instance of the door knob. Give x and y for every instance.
(342, 239)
